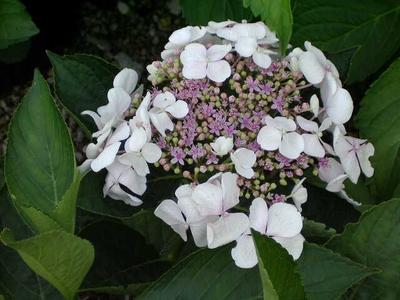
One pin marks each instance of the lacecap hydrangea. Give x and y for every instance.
(227, 111)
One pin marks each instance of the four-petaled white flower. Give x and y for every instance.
(139, 152)
(244, 159)
(163, 103)
(125, 175)
(214, 198)
(222, 145)
(279, 133)
(281, 221)
(299, 194)
(313, 144)
(354, 153)
(199, 62)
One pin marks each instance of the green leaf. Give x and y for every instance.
(15, 23)
(130, 260)
(326, 275)
(343, 60)
(2, 179)
(15, 52)
(337, 25)
(207, 274)
(277, 15)
(201, 12)
(59, 257)
(81, 83)
(40, 161)
(316, 232)
(379, 122)
(278, 270)
(374, 242)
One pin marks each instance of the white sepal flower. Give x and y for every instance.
(244, 159)
(333, 175)
(222, 145)
(299, 194)
(213, 27)
(125, 175)
(166, 103)
(354, 153)
(199, 62)
(314, 105)
(248, 46)
(279, 134)
(127, 80)
(281, 221)
(170, 213)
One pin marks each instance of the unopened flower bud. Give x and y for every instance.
(167, 167)
(203, 169)
(283, 182)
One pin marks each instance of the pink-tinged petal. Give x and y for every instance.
(194, 53)
(164, 100)
(195, 70)
(119, 100)
(333, 68)
(218, 52)
(292, 145)
(137, 140)
(246, 46)
(307, 125)
(184, 190)
(116, 193)
(262, 59)
(209, 199)
(199, 230)
(245, 172)
(121, 133)
(179, 109)
(136, 161)
(230, 190)
(151, 153)
(329, 173)
(127, 80)
(169, 52)
(284, 124)
(244, 254)
(363, 155)
(226, 229)
(313, 71)
(134, 182)
(336, 184)
(95, 117)
(190, 209)
(312, 145)
(344, 149)
(293, 245)
(340, 107)
(284, 220)
(161, 122)
(180, 36)
(314, 105)
(106, 157)
(218, 71)
(269, 138)
(259, 215)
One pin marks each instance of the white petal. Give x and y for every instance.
(269, 138)
(312, 145)
(85, 166)
(284, 124)
(179, 109)
(363, 154)
(340, 107)
(244, 254)
(161, 122)
(245, 172)
(343, 195)
(314, 105)
(199, 230)
(134, 182)
(151, 153)
(95, 117)
(209, 199)
(307, 125)
(294, 245)
(117, 193)
(121, 133)
(328, 88)
(259, 215)
(226, 229)
(137, 140)
(318, 53)
(136, 161)
(300, 197)
(195, 70)
(190, 209)
(184, 190)
(325, 124)
(348, 158)
(245, 157)
(222, 145)
(218, 52)
(230, 190)
(262, 59)
(164, 100)
(180, 36)
(106, 157)
(126, 79)
(256, 30)
(119, 101)
(194, 53)
(292, 145)
(311, 68)
(218, 71)
(169, 212)
(246, 46)
(329, 173)
(142, 111)
(181, 230)
(336, 184)
(284, 220)
(197, 33)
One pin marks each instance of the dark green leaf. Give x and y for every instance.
(15, 52)
(2, 179)
(278, 270)
(81, 83)
(343, 60)
(207, 274)
(379, 122)
(327, 275)
(337, 25)
(15, 23)
(60, 257)
(201, 12)
(316, 232)
(374, 242)
(40, 161)
(277, 15)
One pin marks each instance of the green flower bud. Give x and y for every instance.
(283, 182)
